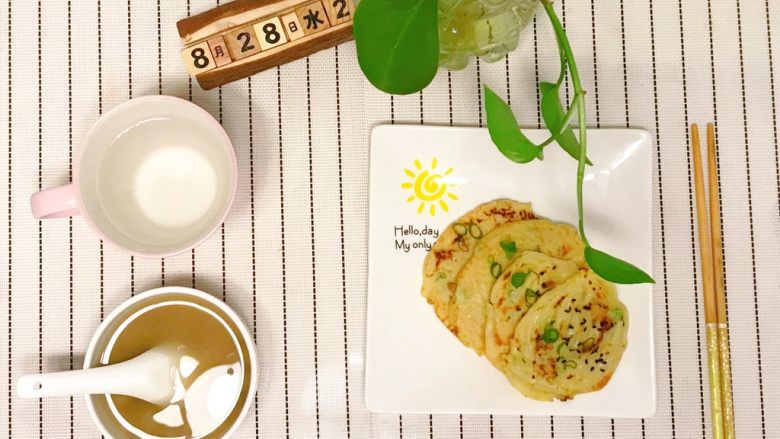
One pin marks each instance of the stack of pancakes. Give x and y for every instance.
(517, 289)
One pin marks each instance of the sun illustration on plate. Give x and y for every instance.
(429, 188)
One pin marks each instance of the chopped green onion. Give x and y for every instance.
(495, 270)
(518, 279)
(476, 235)
(531, 296)
(558, 349)
(569, 364)
(615, 315)
(550, 335)
(510, 248)
(460, 229)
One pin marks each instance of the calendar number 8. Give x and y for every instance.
(199, 58)
(271, 34)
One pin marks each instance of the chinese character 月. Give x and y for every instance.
(312, 19)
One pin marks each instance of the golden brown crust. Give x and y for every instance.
(469, 279)
(455, 246)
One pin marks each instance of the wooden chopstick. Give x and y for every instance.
(708, 281)
(720, 295)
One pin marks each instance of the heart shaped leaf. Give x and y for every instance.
(505, 132)
(614, 269)
(397, 43)
(554, 115)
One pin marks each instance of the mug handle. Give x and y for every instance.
(58, 202)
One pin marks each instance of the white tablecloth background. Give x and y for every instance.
(292, 258)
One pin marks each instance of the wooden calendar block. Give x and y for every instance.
(270, 33)
(292, 26)
(198, 58)
(219, 51)
(339, 11)
(242, 43)
(313, 18)
(260, 34)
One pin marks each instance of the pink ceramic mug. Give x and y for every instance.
(155, 177)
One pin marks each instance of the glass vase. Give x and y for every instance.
(488, 29)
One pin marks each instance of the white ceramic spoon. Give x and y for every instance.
(149, 376)
(208, 401)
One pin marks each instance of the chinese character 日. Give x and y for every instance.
(312, 19)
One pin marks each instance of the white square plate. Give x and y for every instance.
(414, 365)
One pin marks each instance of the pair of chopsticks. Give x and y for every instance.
(710, 247)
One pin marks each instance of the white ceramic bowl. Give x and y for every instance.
(99, 406)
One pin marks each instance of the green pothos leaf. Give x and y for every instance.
(397, 43)
(554, 115)
(614, 269)
(505, 132)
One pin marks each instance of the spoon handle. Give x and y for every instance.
(107, 379)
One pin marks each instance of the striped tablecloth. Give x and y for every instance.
(291, 258)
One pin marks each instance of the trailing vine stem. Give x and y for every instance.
(578, 102)
(566, 120)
